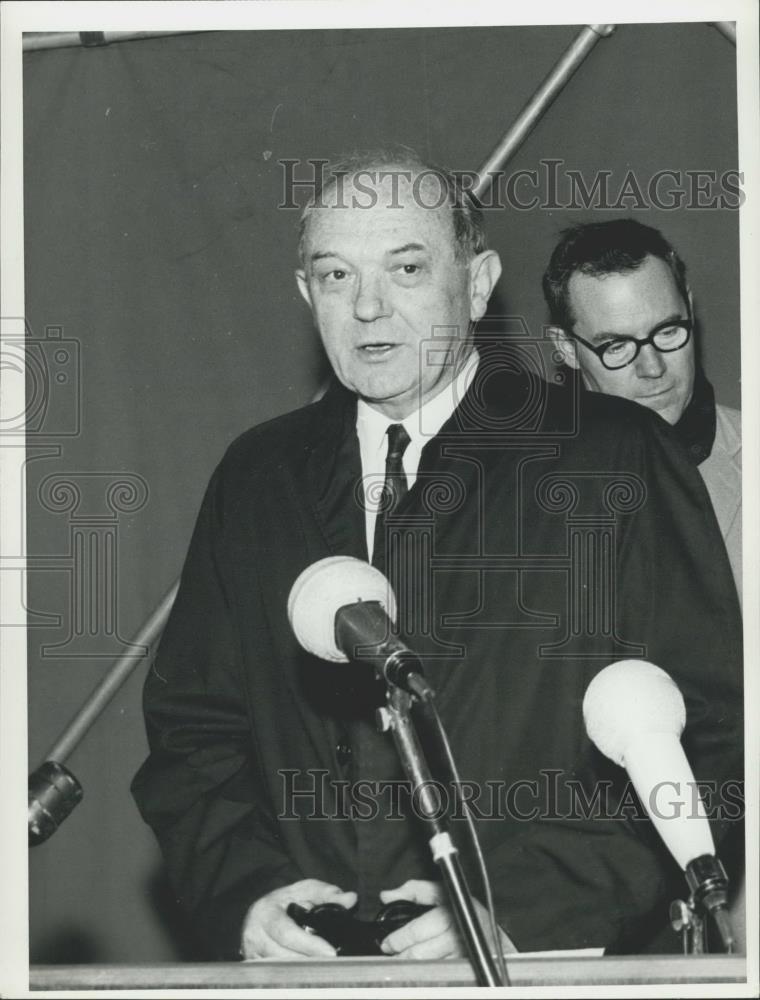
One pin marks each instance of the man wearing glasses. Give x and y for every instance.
(622, 315)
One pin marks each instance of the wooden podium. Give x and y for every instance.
(374, 972)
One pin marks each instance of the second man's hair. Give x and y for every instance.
(600, 248)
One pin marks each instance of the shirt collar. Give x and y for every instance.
(422, 424)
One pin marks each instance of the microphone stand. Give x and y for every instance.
(396, 716)
(708, 884)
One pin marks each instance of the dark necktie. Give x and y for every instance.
(394, 488)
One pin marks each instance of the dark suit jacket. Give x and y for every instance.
(549, 537)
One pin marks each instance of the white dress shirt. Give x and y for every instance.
(421, 426)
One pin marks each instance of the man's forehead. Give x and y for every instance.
(628, 303)
(651, 278)
(389, 202)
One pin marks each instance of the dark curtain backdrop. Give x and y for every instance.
(155, 247)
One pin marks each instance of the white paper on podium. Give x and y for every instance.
(561, 953)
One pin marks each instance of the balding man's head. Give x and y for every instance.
(358, 178)
(395, 270)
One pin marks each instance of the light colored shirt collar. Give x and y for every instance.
(421, 426)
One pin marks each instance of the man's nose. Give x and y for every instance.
(650, 362)
(371, 301)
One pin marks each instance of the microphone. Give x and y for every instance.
(635, 714)
(342, 609)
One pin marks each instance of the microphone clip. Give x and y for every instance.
(362, 630)
(708, 884)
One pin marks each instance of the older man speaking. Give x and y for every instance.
(267, 782)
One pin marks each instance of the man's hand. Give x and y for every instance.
(268, 932)
(434, 934)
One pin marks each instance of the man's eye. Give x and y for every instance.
(409, 270)
(615, 347)
(334, 276)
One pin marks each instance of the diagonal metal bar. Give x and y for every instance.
(33, 41)
(148, 636)
(540, 102)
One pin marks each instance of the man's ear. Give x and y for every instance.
(303, 286)
(485, 270)
(564, 345)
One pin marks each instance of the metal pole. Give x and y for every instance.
(396, 717)
(34, 41)
(539, 103)
(113, 680)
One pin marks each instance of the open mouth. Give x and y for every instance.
(378, 349)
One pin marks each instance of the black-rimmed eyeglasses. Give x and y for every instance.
(618, 352)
